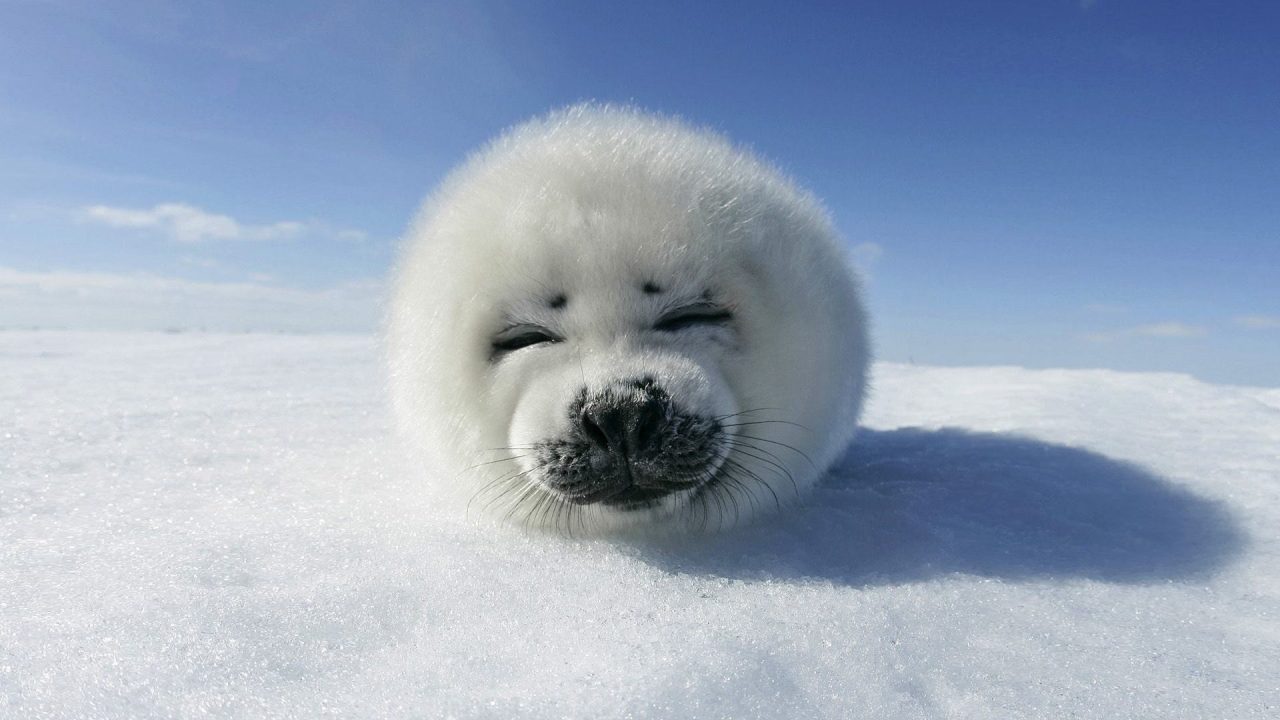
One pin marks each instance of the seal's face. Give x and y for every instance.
(618, 398)
(610, 360)
(609, 320)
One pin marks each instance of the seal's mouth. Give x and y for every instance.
(627, 491)
(636, 497)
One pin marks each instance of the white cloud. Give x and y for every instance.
(1170, 329)
(1258, 322)
(190, 225)
(109, 301)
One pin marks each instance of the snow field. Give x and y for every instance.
(220, 526)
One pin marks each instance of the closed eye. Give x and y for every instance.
(693, 316)
(522, 336)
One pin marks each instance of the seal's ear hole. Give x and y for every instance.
(558, 301)
(650, 288)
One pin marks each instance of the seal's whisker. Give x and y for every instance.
(511, 448)
(491, 485)
(739, 441)
(531, 489)
(779, 470)
(759, 480)
(792, 448)
(494, 462)
(555, 510)
(705, 479)
(722, 418)
(730, 483)
(514, 483)
(766, 422)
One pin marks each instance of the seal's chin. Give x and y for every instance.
(637, 498)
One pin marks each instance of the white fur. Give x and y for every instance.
(591, 202)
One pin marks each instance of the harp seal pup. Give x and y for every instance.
(608, 320)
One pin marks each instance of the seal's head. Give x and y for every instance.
(608, 319)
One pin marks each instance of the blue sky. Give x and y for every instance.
(1047, 183)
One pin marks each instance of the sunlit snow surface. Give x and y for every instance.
(219, 526)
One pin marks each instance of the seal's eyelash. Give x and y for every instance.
(521, 336)
(698, 314)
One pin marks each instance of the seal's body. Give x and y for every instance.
(607, 319)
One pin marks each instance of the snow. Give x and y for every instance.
(220, 526)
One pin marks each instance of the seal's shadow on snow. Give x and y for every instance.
(906, 505)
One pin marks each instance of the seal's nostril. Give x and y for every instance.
(648, 423)
(605, 427)
(592, 430)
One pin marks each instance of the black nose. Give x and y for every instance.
(627, 427)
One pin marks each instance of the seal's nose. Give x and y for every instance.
(626, 428)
